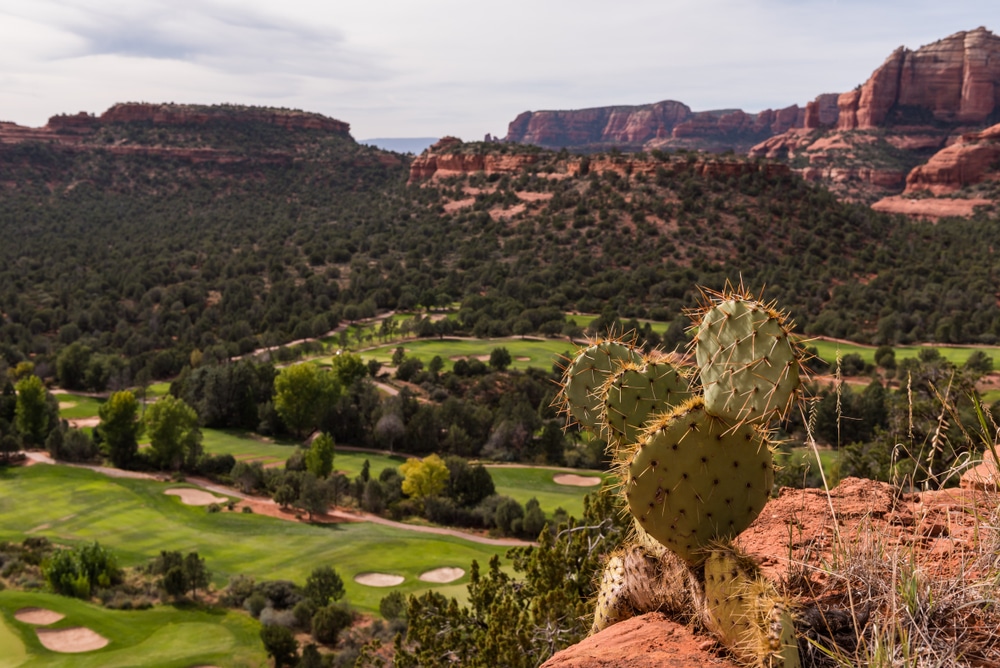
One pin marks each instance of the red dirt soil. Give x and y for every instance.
(797, 531)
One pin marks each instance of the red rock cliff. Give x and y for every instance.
(956, 79)
(973, 158)
(181, 114)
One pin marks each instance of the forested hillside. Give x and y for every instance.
(145, 242)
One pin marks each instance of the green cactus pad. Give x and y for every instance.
(634, 394)
(587, 373)
(746, 612)
(694, 480)
(749, 365)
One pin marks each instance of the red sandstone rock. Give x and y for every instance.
(956, 79)
(599, 125)
(179, 114)
(973, 158)
(649, 641)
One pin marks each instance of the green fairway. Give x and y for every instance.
(163, 636)
(958, 355)
(136, 519)
(247, 447)
(524, 353)
(76, 406)
(12, 648)
(522, 484)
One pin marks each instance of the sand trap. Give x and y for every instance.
(80, 423)
(67, 404)
(71, 640)
(441, 575)
(576, 480)
(378, 579)
(195, 497)
(37, 616)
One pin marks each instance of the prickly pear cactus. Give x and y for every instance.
(745, 611)
(585, 376)
(749, 365)
(694, 479)
(637, 392)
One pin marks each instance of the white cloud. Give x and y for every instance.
(405, 68)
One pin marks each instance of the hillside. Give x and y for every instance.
(154, 231)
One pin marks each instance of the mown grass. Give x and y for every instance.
(522, 484)
(136, 519)
(539, 353)
(959, 355)
(78, 406)
(165, 636)
(247, 447)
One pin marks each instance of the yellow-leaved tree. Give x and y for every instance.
(424, 477)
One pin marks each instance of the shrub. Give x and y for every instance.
(329, 621)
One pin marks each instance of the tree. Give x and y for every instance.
(314, 497)
(196, 575)
(319, 458)
(301, 393)
(31, 416)
(500, 358)
(119, 427)
(71, 366)
(173, 432)
(329, 621)
(423, 478)
(389, 429)
(280, 644)
(324, 586)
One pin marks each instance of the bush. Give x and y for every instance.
(213, 508)
(393, 606)
(255, 604)
(238, 590)
(247, 510)
(271, 617)
(329, 621)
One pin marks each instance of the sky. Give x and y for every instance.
(429, 68)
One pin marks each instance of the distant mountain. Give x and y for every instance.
(414, 145)
(864, 144)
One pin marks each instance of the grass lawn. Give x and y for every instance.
(76, 406)
(827, 456)
(522, 484)
(164, 636)
(244, 446)
(957, 355)
(136, 519)
(539, 353)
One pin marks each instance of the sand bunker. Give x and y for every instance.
(576, 480)
(441, 575)
(37, 616)
(71, 640)
(195, 497)
(67, 404)
(378, 579)
(80, 423)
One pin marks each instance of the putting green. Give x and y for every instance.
(162, 636)
(11, 648)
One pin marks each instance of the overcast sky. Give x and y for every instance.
(416, 68)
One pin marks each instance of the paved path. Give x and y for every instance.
(353, 516)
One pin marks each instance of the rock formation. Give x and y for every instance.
(973, 158)
(954, 80)
(666, 124)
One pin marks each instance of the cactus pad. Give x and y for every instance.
(587, 373)
(748, 362)
(694, 479)
(746, 612)
(634, 394)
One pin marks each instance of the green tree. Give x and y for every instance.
(71, 366)
(119, 427)
(500, 358)
(196, 575)
(301, 394)
(280, 644)
(31, 415)
(319, 458)
(324, 586)
(314, 496)
(174, 437)
(329, 621)
(423, 478)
